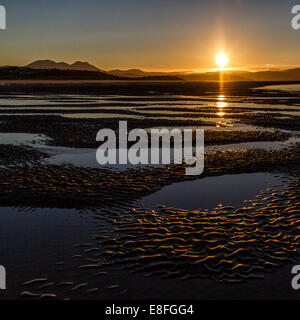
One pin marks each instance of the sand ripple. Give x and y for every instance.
(225, 244)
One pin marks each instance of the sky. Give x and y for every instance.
(157, 35)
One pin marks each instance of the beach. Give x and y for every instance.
(73, 229)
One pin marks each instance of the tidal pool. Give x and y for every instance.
(208, 193)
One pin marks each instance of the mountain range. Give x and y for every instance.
(85, 66)
(49, 64)
(85, 70)
(50, 70)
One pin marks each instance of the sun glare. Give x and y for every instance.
(221, 60)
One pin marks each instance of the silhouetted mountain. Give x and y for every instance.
(78, 65)
(49, 64)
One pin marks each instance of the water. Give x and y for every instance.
(22, 139)
(214, 111)
(208, 193)
(284, 87)
(34, 241)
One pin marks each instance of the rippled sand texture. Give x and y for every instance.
(74, 187)
(225, 244)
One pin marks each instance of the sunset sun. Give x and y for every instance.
(221, 60)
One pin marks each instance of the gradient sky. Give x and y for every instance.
(151, 34)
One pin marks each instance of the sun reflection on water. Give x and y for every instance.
(221, 104)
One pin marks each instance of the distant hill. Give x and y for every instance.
(49, 64)
(128, 73)
(135, 73)
(285, 75)
(228, 75)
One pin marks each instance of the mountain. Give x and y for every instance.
(78, 65)
(49, 64)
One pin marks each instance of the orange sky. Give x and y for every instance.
(151, 35)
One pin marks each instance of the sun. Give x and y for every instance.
(221, 60)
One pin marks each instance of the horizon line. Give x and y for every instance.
(178, 71)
